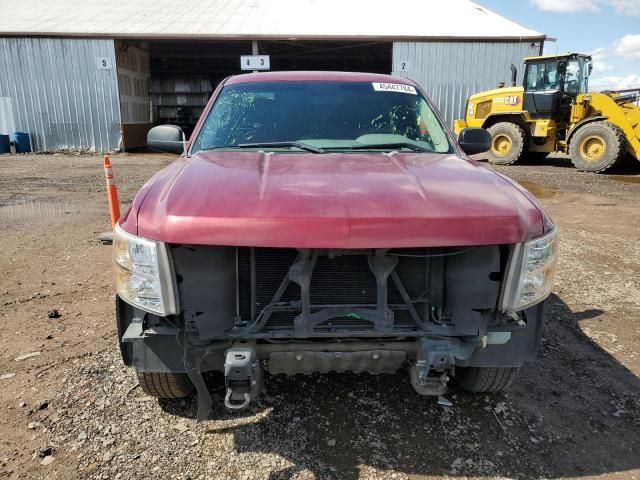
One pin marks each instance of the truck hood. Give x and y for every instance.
(336, 200)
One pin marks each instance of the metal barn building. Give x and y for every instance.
(95, 75)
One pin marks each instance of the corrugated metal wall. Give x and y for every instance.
(450, 71)
(60, 92)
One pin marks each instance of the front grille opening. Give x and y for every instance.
(337, 280)
(343, 280)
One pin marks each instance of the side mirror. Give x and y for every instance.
(474, 140)
(166, 138)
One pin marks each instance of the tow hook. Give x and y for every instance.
(430, 373)
(242, 377)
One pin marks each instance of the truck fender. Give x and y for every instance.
(513, 117)
(595, 118)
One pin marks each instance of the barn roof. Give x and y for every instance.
(260, 19)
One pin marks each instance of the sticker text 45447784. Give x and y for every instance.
(394, 87)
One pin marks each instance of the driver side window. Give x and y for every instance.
(532, 77)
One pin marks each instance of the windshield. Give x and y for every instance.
(322, 116)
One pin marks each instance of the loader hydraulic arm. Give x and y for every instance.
(628, 98)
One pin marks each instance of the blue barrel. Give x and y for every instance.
(4, 144)
(21, 142)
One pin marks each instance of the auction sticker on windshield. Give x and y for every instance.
(394, 87)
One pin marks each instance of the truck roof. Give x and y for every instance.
(301, 76)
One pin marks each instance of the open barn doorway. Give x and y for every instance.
(170, 81)
(372, 57)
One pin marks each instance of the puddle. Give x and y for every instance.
(538, 190)
(37, 212)
(625, 179)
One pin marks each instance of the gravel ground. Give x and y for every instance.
(69, 409)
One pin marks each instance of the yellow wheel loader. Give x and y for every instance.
(554, 112)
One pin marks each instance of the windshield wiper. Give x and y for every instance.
(300, 145)
(385, 146)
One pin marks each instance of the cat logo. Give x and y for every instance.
(511, 100)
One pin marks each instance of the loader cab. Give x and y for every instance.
(551, 84)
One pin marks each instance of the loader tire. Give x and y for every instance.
(486, 379)
(165, 385)
(597, 146)
(508, 143)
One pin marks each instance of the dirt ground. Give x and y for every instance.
(69, 409)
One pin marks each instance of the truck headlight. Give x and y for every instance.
(531, 272)
(144, 277)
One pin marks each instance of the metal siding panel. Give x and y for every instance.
(451, 71)
(58, 95)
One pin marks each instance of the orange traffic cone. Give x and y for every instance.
(112, 192)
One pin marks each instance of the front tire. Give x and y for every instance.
(508, 142)
(165, 385)
(486, 379)
(597, 147)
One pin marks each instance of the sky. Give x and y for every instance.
(607, 29)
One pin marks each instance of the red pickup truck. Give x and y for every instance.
(323, 221)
